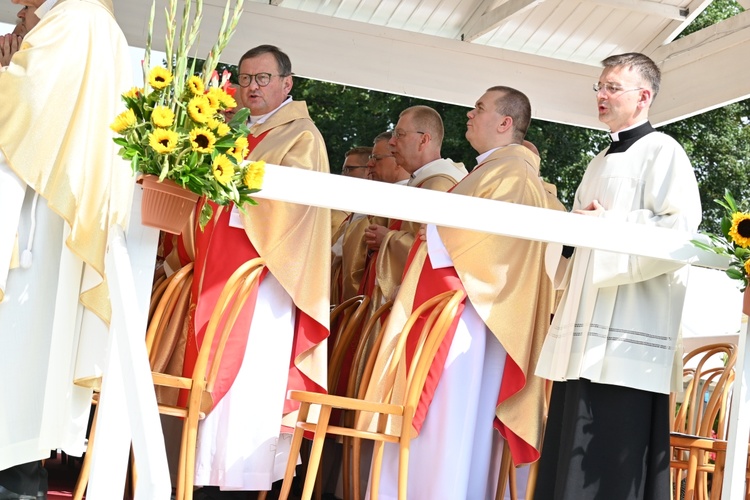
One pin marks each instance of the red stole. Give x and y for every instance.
(226, 248)
(367, 285)
(433, 282)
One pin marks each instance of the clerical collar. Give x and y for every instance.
(252, 120)
(623, 139)
(487, 154)
(44, 8)
(416, 172)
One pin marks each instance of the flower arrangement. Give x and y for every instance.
(176, 126)
(734, 241)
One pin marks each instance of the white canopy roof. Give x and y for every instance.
(452, 50)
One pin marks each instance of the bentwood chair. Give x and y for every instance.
(440, 311)
(359, 377)
(200, 385)
(699, 431)
(346, 322)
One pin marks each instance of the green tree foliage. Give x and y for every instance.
(349, 117)
(718, 141)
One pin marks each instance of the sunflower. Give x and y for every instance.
(162, 116)
(195, 84)
(226, 100)
(200, 109)
(163, 141)
(202, 140)
(240, 149)
(219, 126)
(223, 129)
(159, 78)
(124, 121)
(254, 172)
(223, 169)
(133, 93)
(214, 100)
(740, 230)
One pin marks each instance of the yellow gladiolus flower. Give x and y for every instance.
(124, 121)
(159, 78)
(223, 169)
(195, 84)
(162, 116)
(163, 141)
(254, 172)
(200, 109)
(740, 230)
(202, 140)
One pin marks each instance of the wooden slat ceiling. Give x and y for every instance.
(451, 50)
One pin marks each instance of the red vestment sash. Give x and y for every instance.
(433, 282)
(226, 248)
(367, 285)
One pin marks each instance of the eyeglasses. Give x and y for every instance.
(611, 88)
(349, 168)
(379, 157)
(262, 79)
(399, 134)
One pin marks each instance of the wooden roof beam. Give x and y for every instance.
(483, 22)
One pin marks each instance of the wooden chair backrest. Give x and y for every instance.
(698, 413)
(367, 351)
(233, 296)
(440, 312)
(169, 312)
(347, 318)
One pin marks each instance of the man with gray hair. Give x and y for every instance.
(611, 348)
(415, 144)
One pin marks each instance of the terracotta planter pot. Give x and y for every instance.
(166, 205)
(746, 301)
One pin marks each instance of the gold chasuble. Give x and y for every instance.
(505, 281)
(59, 94)
(295, 240)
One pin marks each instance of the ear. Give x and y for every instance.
(505, 124)
(645, 98)
(288, 84)
(424, 140)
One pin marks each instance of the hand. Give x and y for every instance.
(594, 208)
(28, 3)
(9, 45)
(374, 235)
(422, 233)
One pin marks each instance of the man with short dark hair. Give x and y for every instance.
(281, 342)
(483, 373)
(611, 349)
(355, 162)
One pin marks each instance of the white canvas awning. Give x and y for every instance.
(452, 50)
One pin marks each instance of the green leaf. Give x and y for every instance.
(735, 274)
(206, 213)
